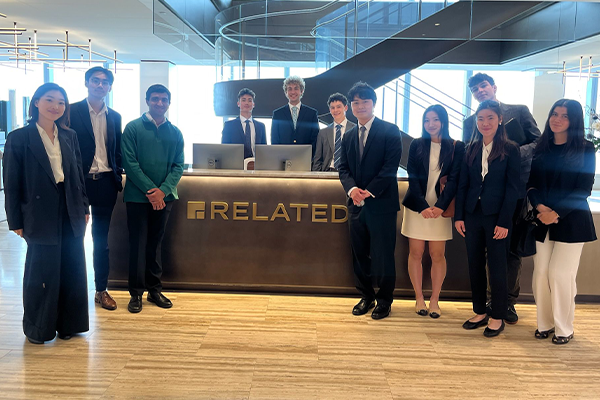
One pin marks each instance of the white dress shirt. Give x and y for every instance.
(343, 130)
(297, 105)
(153, 121)
(53, 152)
(252, 130)
(485, 153)
(100, 163)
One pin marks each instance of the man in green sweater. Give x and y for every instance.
(152, 150)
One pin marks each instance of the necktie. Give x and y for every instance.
(338, 146)
(295, 115)
(248, 141)
(361, 141)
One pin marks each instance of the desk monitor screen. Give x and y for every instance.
(283, 157)
(218, 156)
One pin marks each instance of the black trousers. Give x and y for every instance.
(55, 284)
(102, 194)
(146, 231)
(479, 238)
(373, 241)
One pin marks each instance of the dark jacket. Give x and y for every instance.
(31, 194)
(82, 124)
(234, 133)
(418, 175)
(521, 114)
(498, 192)
(377, 171)
(566, 194)
(307, 126)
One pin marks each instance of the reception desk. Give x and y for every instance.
(283, 232)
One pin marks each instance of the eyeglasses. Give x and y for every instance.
(98, 82)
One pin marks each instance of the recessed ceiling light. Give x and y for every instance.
(437, 24)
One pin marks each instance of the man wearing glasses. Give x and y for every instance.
(98, 130)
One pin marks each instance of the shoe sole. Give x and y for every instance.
(366, 311)
(150, 300)
(133, 311)
(511, 323)
(380, 317)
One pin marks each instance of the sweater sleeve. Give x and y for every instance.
(130, 160)
(170, 183)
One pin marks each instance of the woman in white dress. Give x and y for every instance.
(431, 157)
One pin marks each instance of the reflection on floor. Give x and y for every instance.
(239, 346)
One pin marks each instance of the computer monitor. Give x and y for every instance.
(218, 156)
(283, 157)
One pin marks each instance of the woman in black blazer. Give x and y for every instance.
(433, 156)
(47, 206)
(485, 203)
(561, 180)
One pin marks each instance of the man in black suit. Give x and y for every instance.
(244, 129)
(516, 118)
(371, 153)
(99, 133)
(295, 123)
(329, 142)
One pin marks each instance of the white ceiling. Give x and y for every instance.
(122, 25)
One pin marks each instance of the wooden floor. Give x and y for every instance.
(238, 346)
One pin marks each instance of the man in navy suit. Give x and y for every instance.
(295, 123)
(371, 153)
(99, 134)
(244, 129)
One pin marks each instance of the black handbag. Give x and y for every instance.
(523, 237)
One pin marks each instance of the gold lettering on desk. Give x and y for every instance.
(255, 216)
(219, 207)
(280, 212)
(336, 213)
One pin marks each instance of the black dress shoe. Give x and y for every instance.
(159, 299)
(511, 315)
(363, 307)
(487, 332)
(381, 312)
(34, 341)
(474, 325)
(135, 304)
(65, 336)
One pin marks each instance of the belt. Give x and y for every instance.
(98, 175)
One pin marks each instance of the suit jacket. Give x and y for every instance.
(326, 146)
(307, 126)
(566, 194)
(234, 133)
(521, 114)
(82, 124)
(418, 175)
(32, 196)
(498, 193)
(377, 171)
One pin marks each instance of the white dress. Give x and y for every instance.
(434, 229)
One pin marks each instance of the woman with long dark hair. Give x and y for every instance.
(433, 156)
(561, 180)
(485, 203)
(47, 206)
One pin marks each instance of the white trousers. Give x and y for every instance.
(555, 267)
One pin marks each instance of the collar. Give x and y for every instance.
(488, 147)
(367, 125)
(91, 109)
(43, 132)
(243, 119)
(297, 105)
(343, 124)
(149, 118)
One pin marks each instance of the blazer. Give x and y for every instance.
(307, 126)
(326, 146)
(82, 124)
(566, 194)
(498, 193)
(521, 114)
(418, 175)
(233, 132)
(377, 171)
(32, 196)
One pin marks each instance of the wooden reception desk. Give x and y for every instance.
(283, 232)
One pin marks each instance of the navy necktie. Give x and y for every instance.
(338, 147)
(248, 141)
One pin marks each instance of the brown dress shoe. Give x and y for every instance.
(105, 300)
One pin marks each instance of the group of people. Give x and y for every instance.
(69, 160)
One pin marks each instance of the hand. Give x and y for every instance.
(500, 232)
(19, 232)
(543, 208)
(548, 217)
(159, 205)
(460, 227)
(87, 218)
(358, 195)
(427, 213)
(155, 195)
(436, 212)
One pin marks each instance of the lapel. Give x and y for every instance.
(39, 151)
(66, 151)
(426, 150)
(330, 129)
(476, 167)
(110, 132)
(371, 136)
(239, 129)
(84, 113)
(288, 115)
